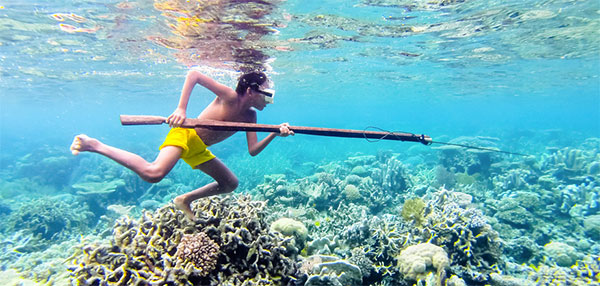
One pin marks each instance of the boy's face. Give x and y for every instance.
(260, 100)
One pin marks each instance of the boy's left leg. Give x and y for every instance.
(225, 182)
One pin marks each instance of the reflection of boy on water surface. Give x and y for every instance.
(219, 33)
(191, 144)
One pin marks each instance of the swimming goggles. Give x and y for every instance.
(268, 93)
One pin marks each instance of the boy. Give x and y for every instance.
(191, 144)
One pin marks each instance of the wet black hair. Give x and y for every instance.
(252, 80)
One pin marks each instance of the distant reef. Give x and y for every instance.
(465, 217)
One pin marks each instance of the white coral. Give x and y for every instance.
(415, 260)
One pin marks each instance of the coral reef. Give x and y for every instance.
(148, 251)
(46, 165)
(470, 161)
(329, 270)
(415, 262)
(561, 253)
(472, 244)
(412, 211)
(48, 220)
(469, 218)
(375, 184)
(200, 250)
(290, 227)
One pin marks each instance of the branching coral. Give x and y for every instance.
(145, 252)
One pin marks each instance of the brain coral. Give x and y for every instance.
(200, 250)
(290, 227)
(415, 260)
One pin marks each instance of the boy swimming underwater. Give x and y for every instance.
(191, 144)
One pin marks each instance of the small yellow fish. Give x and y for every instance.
(317, 223)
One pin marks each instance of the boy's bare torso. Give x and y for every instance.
(220, 110)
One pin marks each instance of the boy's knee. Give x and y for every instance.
(153, 175)
(230, 184)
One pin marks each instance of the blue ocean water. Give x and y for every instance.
(523, 72)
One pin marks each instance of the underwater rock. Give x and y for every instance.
(330, 270)
(417, 261)
(591, 226)
(510, 212)
(561, 253)
(528, 200)
(522, 249)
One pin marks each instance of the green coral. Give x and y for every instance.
(413, 211)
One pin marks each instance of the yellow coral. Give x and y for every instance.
(413, 210)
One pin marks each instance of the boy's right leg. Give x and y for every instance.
(225, 182)
(150, 172)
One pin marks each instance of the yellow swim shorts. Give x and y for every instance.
(195, 152)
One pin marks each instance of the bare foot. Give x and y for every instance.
(184, 206)
(82, 143)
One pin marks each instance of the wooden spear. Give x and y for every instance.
(243, 126)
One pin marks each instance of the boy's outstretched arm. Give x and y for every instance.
(195, 77)
(255, 147)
